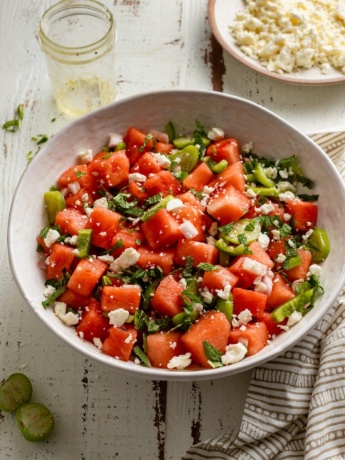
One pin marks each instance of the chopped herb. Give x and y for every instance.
(242, 239)
(226, 229)
(141, 355)
(187, 271)
(154, 199)
(285, 230)
(200, 128)
(122, 204)
(80, 174)
(213, 355)
(117, 245)
(106, 156)
(52, 120)
(13, 125)
(251, 226)
(146, 140)
(158, 325)
(138, 242)
(310, 198)
(140, 319)
(40, 139)
(207, 267)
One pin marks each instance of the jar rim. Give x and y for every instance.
(63, 5)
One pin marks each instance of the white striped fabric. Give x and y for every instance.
(295, 407)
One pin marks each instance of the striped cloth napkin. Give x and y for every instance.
(295, 406)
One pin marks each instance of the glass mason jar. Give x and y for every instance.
(78, 38)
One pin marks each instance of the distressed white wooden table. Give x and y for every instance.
(101, 414)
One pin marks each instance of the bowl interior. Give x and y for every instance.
(241, 119)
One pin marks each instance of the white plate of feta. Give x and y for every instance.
(296, 41)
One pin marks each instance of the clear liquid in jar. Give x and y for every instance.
(81, 95)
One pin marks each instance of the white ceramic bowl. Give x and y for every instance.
(244, 120)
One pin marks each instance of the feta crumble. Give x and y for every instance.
(129, 257)
(233, 354)
(180, 362)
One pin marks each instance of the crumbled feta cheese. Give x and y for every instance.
(285, 36)
(70, 319)
(197, 307)
(101, 202)
(264, 240)
(180, 362)
(48, 291)
(280, 258)
(114, 140)
(266, 208)
(174, 205)
(254, 266)
(107, 258)
(51, 237)
(118, 317)
(315, 270)
(206, 295)
(247, 148)
(188, 230)
(285, 186)
(136, 177)
(98, 342)
(74, 187)
(224, 293)
(234, 353)
(276, 234)
(271, 172)
(85, 156)
(216, 134)
(295, 317)
(129, 338)
(287, 196)
(88, 211)
(183, 283)
(307, 235)
(244, 317)
(129, 257)
(250, 193)
(163, 161)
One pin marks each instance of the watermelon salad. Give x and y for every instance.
(181, 252)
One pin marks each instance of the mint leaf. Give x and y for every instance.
(213, 355)
(141, 355)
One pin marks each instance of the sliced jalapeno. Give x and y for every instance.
(319, 245)
(250, 228)
(54, 202)
(261, 176)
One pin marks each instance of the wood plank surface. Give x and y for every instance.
(102, 414)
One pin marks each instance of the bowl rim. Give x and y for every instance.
(249, 363)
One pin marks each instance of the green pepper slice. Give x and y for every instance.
(170, 130)
(260, 176)
(226, 306)
(319, 245)
(84, 242)
(266, 191)
(182, 141)
(188, 158)
(233, 251)
(250, 228)
(54, 202)
(297, 303)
